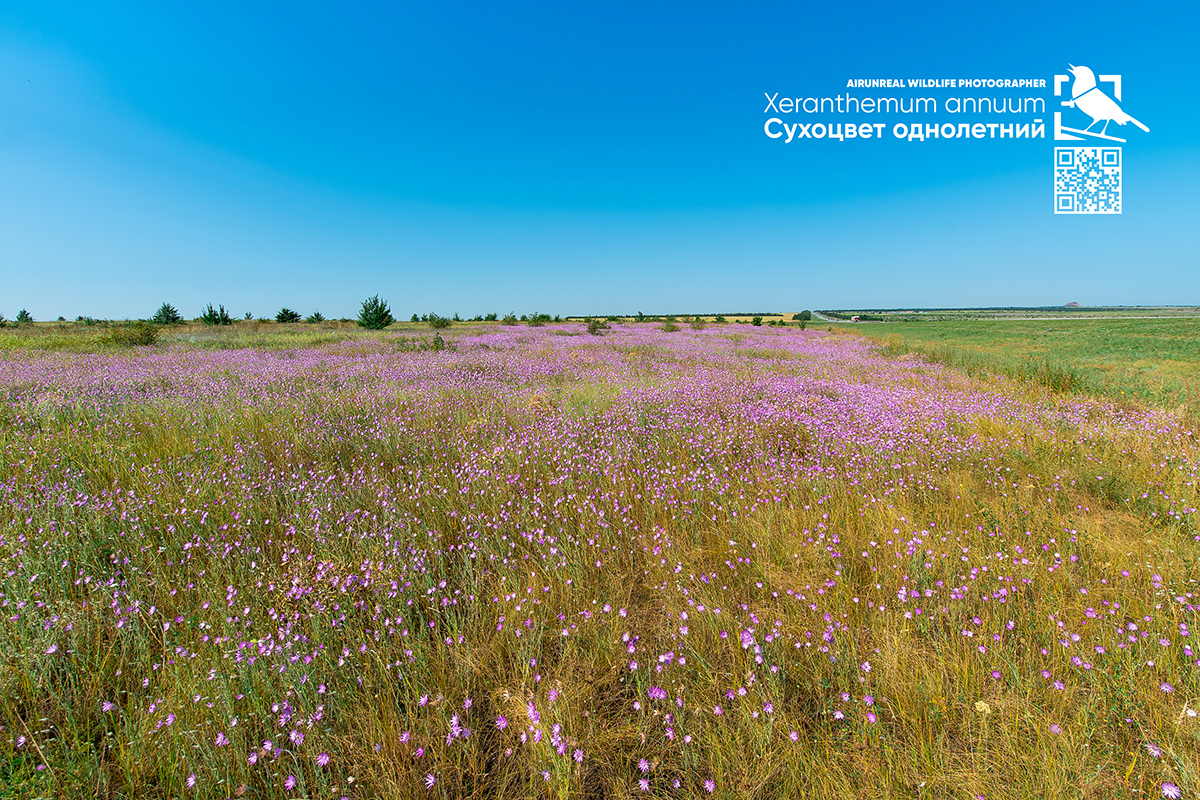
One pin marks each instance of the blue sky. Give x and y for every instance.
(569, 158)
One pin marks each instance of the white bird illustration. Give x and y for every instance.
(1088, 98)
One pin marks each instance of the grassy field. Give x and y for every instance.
(1152, 360)
(532, 562)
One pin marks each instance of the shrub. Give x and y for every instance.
(697, 324)
(375, 314)
(456, 317)
(167, 314)
(489, 317)
(315, 317)
(509, 319)
(535, 320)
(669, 327)
(720, 320)
(438, 322)
(248, 316)
(134, 334)
(3, 321)
(804, 316)
(803, 324)
(757, 321)
(285, 314)
(24, 316)
(595, 327)
(217, 316)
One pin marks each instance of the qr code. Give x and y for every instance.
(1087, 180)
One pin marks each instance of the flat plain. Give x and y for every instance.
(726, 561)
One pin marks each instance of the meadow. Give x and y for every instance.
(728, 561)
(1152, 360)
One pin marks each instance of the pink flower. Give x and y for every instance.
(430, 781)
(323, 759)
(1171, 790)
(290, 782)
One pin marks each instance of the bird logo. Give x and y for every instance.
(1088, 97)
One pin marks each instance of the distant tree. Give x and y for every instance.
(415, 318)
(509, 319)
(248, 316)
(167, 314)
(438, 322)
(595, 327)
(697, 323)
(215, 316)
(24, 317)
(3, 321)
(375, 314)
(640, 316)
(315, 317)
(285, 314)
(757, 321)
(524, 318)
(719, 319)
(805, 316)
(489, 317)
(456, 317)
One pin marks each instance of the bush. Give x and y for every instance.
(375, 314)
(509, 319)
(669, 327)
(285, 314)
(489, 317)
(167, 314)
(24, 317)
(537, 320)
(438, 322)
(720, 320)
(595, 327)
(315, 317)
(248, 316)
(757, 321)
(134, 334)
(803, 324)
(697, 324)
(803, 316)
(217, 316)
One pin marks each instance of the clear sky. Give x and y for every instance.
(566, 157)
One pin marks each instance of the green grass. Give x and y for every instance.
(1151, 360)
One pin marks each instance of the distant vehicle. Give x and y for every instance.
(854, 319)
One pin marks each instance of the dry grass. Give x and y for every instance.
(389, 537)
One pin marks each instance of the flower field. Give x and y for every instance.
(518, 562)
